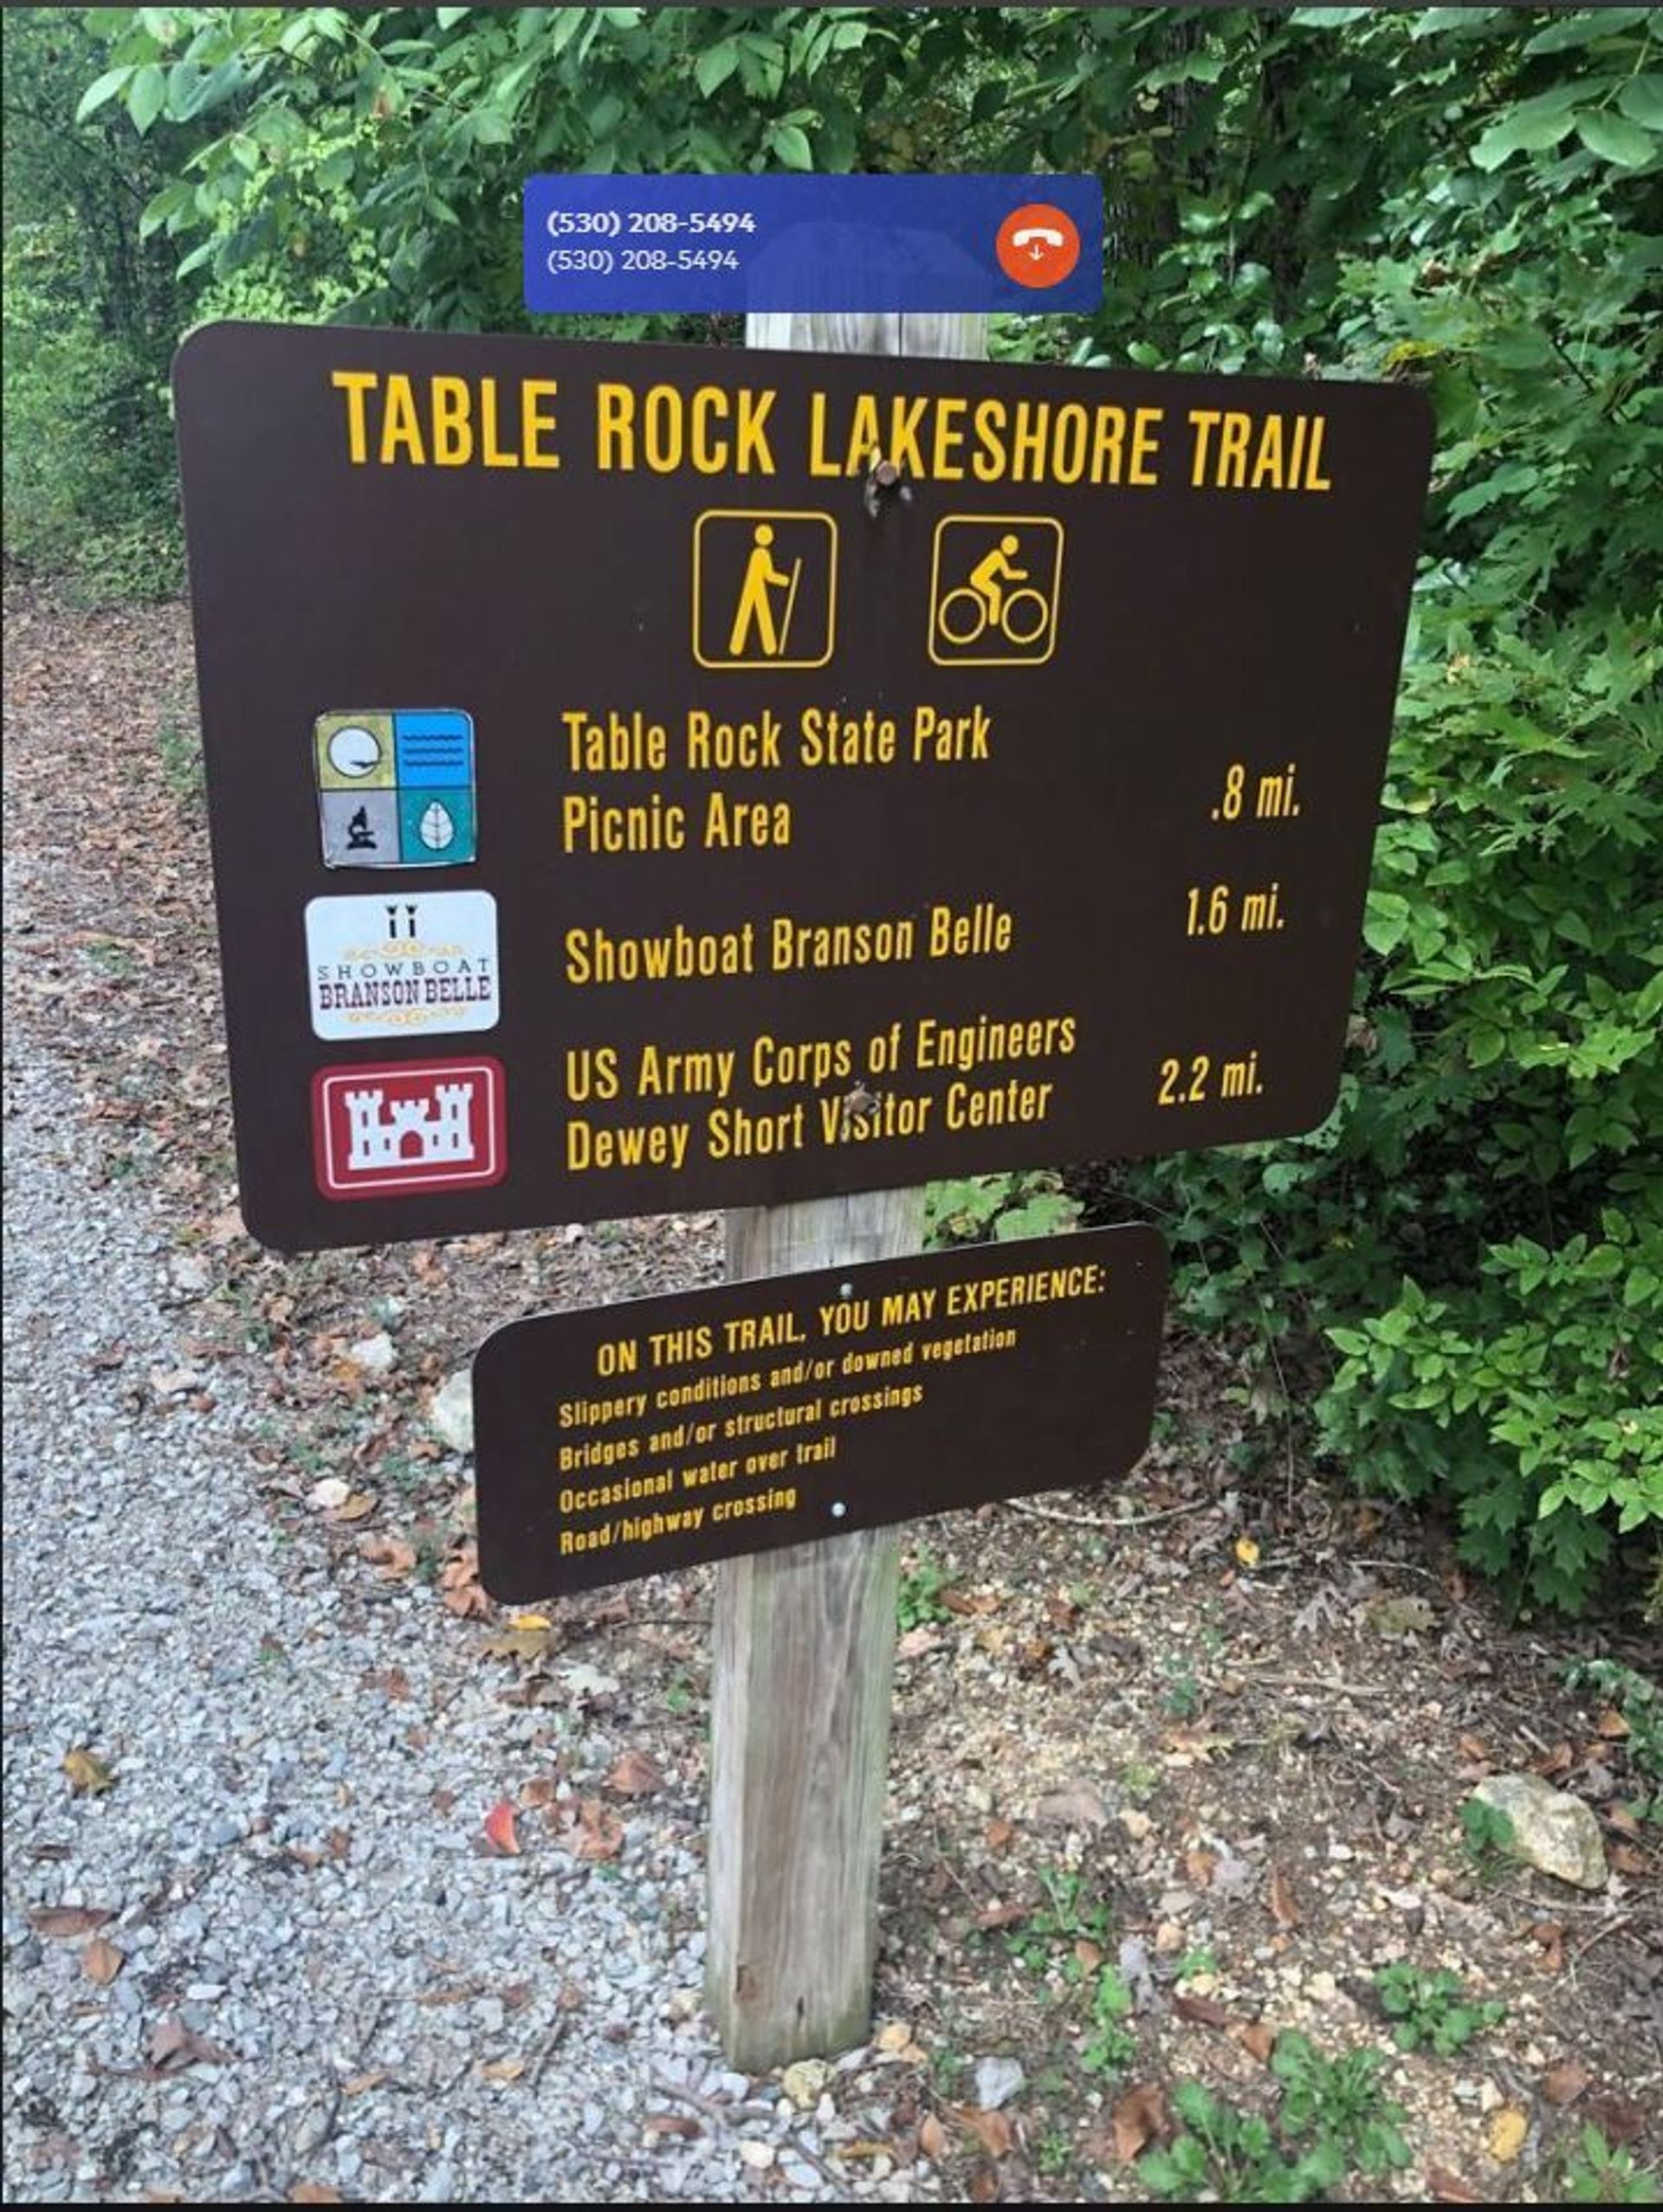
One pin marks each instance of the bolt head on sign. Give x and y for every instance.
(1034, 811)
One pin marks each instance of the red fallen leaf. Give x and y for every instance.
(1284, 1909)
(499, 1829)
(1206, 2010)
(68, 1920)
(1564, 2083)
(1445, 2188)
(994, 2130)
(682, 2123)
(634, 1776)
(1620, 2119)
(1139, 2118)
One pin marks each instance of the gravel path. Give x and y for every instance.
(291, 1858)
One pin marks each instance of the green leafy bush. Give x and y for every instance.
(1334, 2118)
(971, 1208)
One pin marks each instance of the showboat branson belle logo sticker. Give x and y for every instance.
(378, 1129)
(402, 964)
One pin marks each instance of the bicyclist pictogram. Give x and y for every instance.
(994, 590)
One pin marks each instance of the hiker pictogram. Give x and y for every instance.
(763, 589)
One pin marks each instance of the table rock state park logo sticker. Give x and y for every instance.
(396, 787)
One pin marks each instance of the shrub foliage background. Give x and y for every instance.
(1457, 1281)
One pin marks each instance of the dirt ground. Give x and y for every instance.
(1213, 1734)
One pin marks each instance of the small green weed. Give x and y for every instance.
(180, 746)
(1110, 2045)
(1184, 1698)
(1593, 2173)
(1068, 1917)
(1333, 2119)
(1486, 1834)
(679, 1694)
(1139, 1783)
(1431, 2009)
(919, 1600)
(1198, 1961)
(1054, 2155)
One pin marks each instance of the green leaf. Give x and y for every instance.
(1581, 26)
(1641, 99)
(447, 17)
(146, 96)
(790, 142)
(1386, 922)
(1531, 127)
(1614, 139)
(714, 65)
(101, 91)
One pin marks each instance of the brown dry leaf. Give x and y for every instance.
(1078, 1806)
(499, 1829)
(968, 1604)
(932, 2138)
(68, 1920)
(1627, 1860)
(1564, 2083)
(1206, 2012)
(1139, 2118)
(587, 1828)
(520, 1643)
(984, 2183)
(1256, 2037)
(88, 1777)
(359, 2084)
(396, 1683)
(1090, 1955)
(459, 1585)
(680, 2124)
(173, 2047)
(358, 1507)
(1200, 1866)
(1610, 1722)
(1508, 2130)
(998, 1834)
(540, 1791)
(1620, 2119)
(1002, 1915)
(315, 2193)
(894, 2036)
(392, 1558)
(1551, 1934)
(994, 2130)
(502, 2069)
(917, 1641)
(1559, 1760)
(1061, 1612)
(1284, 1909)
(1445, 2188)
(1471, 1747)
(634, 1776)
(100, 1962)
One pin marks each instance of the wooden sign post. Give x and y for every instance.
(804, 1659)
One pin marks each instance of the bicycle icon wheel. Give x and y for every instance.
(965, 627)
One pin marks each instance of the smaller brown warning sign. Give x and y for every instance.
(629, 1439)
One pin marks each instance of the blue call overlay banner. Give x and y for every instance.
(905, 245)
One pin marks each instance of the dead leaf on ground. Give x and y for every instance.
(1139, 2118)
(1620, 2119)
(1610, 1722)
(100, 1962)
(998, 1834)
(328, 1494)
(64, 1921)
(634, 1776)
(679, 2124)
(502, 2069)
(1445, 2188)
(587, 1828)
(520, 1643)
(1508, 2129)
(932, 2138)
(1550, 1936)
(1564, 2083)
(994, 2130)
(1206, 2011)
(88, 1777)
(1256, 2037)
(357, 1507)
(315, 2193)
(390, 1556)
(499, 1829)
(918, 1641)
(1002, 1915)
(359, 2084)
(173, 2047)
(984, 2183)
(1285, 1908)
(459, 1585)
(1076, 1805)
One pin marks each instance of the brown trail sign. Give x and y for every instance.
(612, 813)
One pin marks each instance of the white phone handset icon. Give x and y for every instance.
(1046, 238)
